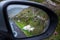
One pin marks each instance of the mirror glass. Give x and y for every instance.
(27, 21)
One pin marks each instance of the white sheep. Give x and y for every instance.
(29, 28)
(18, 20)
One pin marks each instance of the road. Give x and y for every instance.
(17, 32)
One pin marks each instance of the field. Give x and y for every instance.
(33, 17)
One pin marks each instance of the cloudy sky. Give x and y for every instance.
(15, 9)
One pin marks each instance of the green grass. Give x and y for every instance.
(32, 20)
(21, 25)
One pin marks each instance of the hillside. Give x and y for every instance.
(34, 17)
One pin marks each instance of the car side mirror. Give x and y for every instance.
(28, 20)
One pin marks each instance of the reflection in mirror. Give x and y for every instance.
(27, 21)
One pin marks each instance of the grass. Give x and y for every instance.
(27, 33)
(21, 25)
(32, 20)
(36, 24)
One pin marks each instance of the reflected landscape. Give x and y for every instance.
(27, 21)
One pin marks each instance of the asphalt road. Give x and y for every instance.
(17, 32)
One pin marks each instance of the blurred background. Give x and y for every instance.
(55, 6)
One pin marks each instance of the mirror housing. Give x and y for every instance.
(53, 18)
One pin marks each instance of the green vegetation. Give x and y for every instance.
(34, 17)
(21, 25)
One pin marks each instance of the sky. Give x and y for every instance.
(13, 10)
